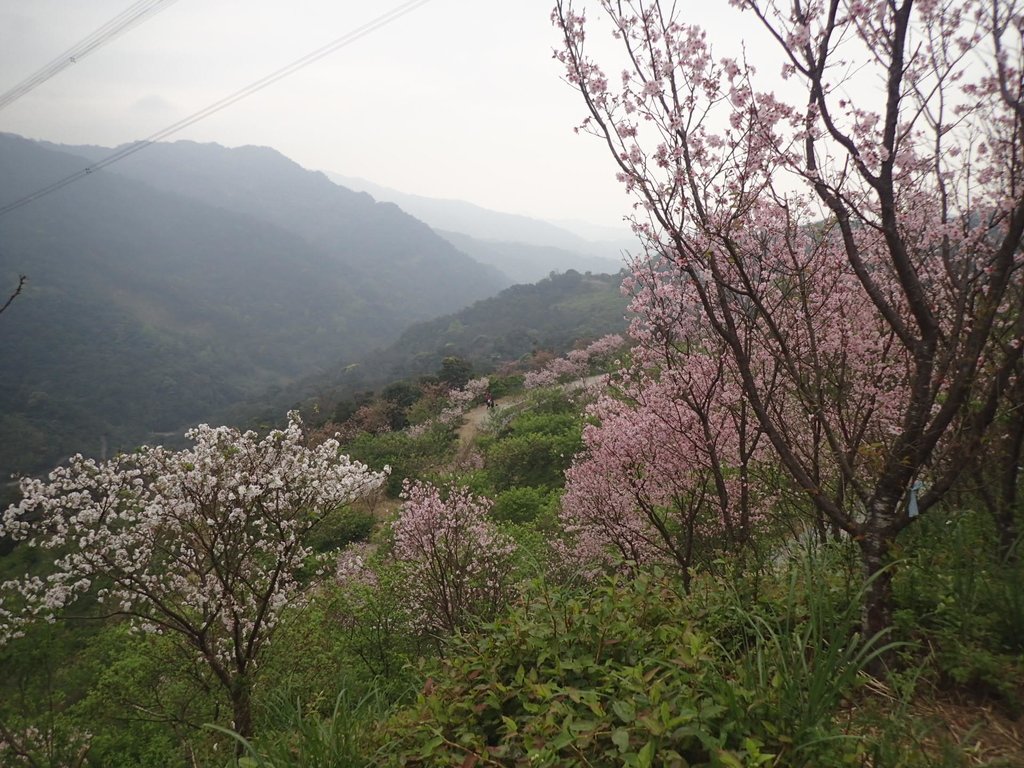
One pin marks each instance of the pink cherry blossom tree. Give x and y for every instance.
(670, 470)
(854, 253)
(204, 545)
(459, 562)
(576, 364)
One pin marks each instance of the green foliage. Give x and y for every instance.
(957, 596)
(352, 637)
(520, 505)
(376, 633)
(134, 699)
(536, 446)
(504, 386)
(303, 738)
(145, 705)
(532, 459)
(627, 674)
(797, 667)
(345, 409)
(342, 526)
(455, 372)
(402, 393)
(406, 455)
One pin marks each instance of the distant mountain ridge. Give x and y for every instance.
(371, 238)
(525, 263)
(484, 224)
(188, 277)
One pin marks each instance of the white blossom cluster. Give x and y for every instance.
(205, 542)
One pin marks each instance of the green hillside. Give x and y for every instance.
(148, 309)
(551, 315)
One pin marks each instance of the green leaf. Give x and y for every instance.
(645, 758)
(727, 759)
(624, 710)
(430, 746)
(620, 738)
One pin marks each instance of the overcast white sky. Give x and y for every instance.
(457, 99)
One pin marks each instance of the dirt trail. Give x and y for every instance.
(475, 418)
(474, 422)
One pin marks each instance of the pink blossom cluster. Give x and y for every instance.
(353, 566)
(204, 544)
(458, 402)
(672, 471)
(576, 364)
(460, 563)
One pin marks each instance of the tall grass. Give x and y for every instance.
(313, 740)
(805, 659)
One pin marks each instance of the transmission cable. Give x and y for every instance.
(121, 23)
(289, 69)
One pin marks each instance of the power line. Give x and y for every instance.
(124, 21)
(130, 149)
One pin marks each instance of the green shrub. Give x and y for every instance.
(519, 505)
(957, 597)
(532, 459)
(406, 455)
(503, 386)
(625, 673)
(343, 526)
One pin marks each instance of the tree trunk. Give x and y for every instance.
(241, 705)
(1006, 514)
(876, 613)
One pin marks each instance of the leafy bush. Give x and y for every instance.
(407, 456)
(626, 673)
(308, 739)
(531, 459)
(343, 526)
(519, 505)
(957, 597)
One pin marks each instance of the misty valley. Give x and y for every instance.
(197, 283)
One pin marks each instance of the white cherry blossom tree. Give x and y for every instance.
(206, 545)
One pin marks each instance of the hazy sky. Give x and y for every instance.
(459, 98)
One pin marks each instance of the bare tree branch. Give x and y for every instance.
(22, 279)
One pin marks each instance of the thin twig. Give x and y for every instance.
(22, 279)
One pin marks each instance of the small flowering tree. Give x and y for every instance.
(459, 562)
(204, 545)
(670, 468)
(576, 364)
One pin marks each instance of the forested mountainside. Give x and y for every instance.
(549, 316)
(394, 258)
(150, 308)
